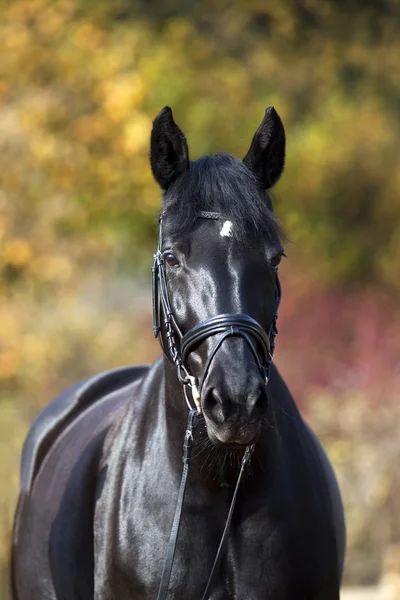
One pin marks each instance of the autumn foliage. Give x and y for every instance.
(80, 83)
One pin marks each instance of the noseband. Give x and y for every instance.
(178, 346)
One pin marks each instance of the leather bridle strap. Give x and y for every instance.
(220, 553)
(232, 331)
(173, 538)
(169, 559)
(227, 325)
(177, 347)
(220, 324)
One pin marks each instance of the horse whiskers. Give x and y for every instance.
(215, 460)
(259, 461)
(291, 417)
(266, 423)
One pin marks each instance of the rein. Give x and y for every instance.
(173, 538)
(177, 347)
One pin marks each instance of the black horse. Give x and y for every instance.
(101, 466)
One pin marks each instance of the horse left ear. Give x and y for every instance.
(266, 157)
(169, 154)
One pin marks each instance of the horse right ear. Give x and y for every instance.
(169, 154)
(266, 157)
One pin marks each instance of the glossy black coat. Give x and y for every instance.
(100, 477)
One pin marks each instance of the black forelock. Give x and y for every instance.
(219, 183)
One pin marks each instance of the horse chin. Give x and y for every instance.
(230, 437)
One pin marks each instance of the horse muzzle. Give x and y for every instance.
(234, 419)
(232, 436)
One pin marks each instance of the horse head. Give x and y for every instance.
(216, 269)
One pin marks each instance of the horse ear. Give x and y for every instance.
(266, 157)
(169, 154)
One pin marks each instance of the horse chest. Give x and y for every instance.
(273, 552)
(256, 566)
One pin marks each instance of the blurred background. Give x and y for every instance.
(80, 82)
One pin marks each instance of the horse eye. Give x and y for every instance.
(171, 259)
(275, 260)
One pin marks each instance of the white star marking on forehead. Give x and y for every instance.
(226, 230)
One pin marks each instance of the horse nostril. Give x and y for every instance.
(257, 403)
(213, 405)
(214, 398)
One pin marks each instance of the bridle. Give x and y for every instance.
(177, 347)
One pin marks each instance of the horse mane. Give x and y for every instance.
(223, 184)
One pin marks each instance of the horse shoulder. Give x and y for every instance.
(62, 411)
(54, 519)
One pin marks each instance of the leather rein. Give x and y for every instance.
(177, 347)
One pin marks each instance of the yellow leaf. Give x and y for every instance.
(17, 253)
